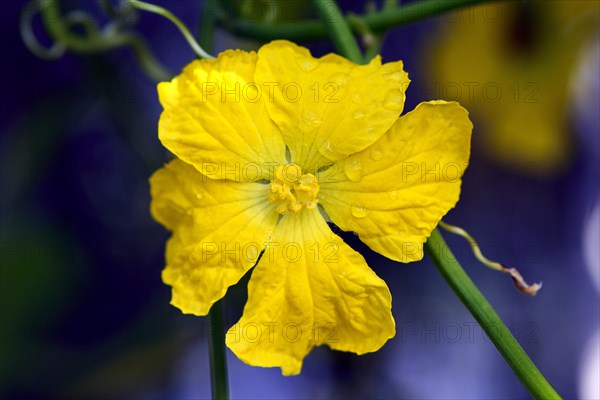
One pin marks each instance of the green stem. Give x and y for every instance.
(478, 306)
(339, 30)
(371, 41)
(218, 360)
(206, 35)
(374, 48)
(378, 38)
(317, 29)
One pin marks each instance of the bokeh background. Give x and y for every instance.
(83, 311)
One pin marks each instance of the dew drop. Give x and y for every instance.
(353, 169)
(358, 115)
(269, 238)
(359, 211)
(397, 76)
(311, 118)
(393, 195)
(307, 64)
(252, 253)
(199, 195)
(370, 129)
(393, 100)
(327, 150)
(394, 219)
(376, 154)
(339, 78)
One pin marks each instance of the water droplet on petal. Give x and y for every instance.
(393, 195)
(370, 129)
(268, 239)
(199, 195)
(311, 118)
(376, 154)
(358, 115)
(393, 100)
(394, 218)
(307, 64)
(359, 211)
(397, 76)
(251, 252)
(353, 169)
(327, 150)
(339, 78)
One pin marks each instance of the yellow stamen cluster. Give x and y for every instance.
(293, 190)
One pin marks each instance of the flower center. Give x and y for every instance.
(293, 190)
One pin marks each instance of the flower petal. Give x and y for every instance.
(215, 119)
(329, 107)
(219, 229)
(310, 289)
(394, 193)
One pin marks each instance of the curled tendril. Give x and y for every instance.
(91, 40)
(95, 40)
(516, 277)
(83, 19)
(53, 52)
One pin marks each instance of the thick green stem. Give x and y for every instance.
(478, 306)
(339, 29)
(218, 360)
(317, 29)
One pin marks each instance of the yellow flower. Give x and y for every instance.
(270, 143)
(511, 64)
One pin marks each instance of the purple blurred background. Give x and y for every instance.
(83, 311)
